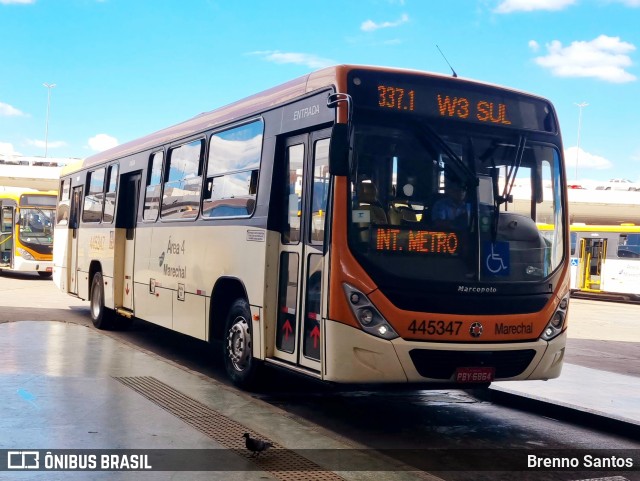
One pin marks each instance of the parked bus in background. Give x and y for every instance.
(26, 230)
(298, 227)
(605, 260)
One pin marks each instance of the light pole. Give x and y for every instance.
(46, 130)
(580, 106)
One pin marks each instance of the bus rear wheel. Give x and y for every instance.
(239, 363)
(101, 317)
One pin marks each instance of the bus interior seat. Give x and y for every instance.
(367, 196)
(368, 200)
(401, 213)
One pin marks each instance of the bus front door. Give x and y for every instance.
(6, 237)
(125, 241)
(302, 270)
(74, 223)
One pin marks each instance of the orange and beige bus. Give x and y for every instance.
(310, 227)
(26, 231)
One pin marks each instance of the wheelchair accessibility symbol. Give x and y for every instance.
(574, 261)
(496, 258)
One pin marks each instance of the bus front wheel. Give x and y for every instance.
(239, 362)
(99, 315)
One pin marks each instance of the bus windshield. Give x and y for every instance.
(36, 226)
(451, 204)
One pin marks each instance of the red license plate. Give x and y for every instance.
(475, 374)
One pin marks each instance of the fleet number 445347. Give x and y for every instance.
(433, 327)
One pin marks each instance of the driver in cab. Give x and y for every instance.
(451, 210)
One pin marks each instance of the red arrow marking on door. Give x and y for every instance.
(315, 334)
(287, 330)
(127, 289)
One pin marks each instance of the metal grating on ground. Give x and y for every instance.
(286, 466)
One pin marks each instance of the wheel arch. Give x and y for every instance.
(94, 267)
(225, 291)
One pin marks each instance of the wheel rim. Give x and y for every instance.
(96, 302)
(239, 344)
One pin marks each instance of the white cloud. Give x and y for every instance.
(604, 58)
(533, 45)
(510, 6)
(585, 160)
(307, 59)
(7, 110)
(102, 142)
(7, 149)
(55, 144)
(370, 25)
(22, 2)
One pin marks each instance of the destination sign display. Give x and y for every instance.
(451, 98)
(397, 239)
(38, 200)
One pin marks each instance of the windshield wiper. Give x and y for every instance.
(509, 181)
(461, 169)
(513, 170)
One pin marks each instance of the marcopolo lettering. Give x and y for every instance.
(477, 290)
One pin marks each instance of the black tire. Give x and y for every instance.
(100, 316)
(45, 275)
(239, 363)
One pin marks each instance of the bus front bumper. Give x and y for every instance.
(23, 265)
(354, 356)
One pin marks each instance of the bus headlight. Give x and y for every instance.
(556, 324)
(367, 315)
(24, 254)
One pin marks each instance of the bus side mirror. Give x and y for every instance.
(339, 150)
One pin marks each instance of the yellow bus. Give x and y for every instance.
(26, 233)
(310, 227)
(605, 260)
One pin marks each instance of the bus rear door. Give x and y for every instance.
(125, 240)
(74, 223)
(302, 263)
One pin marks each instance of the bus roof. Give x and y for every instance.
(30, 176)
(14, 193)
(604, 228)
(281, 94)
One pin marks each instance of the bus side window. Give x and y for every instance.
(110, 194)
(62, 215)
(232, 171)
(181, 193)
(94, 198)
(154, 187)
(629, 245)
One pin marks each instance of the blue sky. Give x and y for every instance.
(124, 68)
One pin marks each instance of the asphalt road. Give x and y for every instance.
(602, 334)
